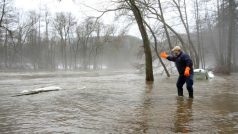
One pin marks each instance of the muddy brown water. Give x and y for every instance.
(116, 102)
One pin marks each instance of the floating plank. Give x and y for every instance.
(39, 90)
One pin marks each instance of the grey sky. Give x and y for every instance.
(76, 7)
(79, 9)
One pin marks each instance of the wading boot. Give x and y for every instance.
(190, 95)
(180, 92)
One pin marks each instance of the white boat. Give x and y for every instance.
(201, 74)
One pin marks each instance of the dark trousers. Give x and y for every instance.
(189, 83)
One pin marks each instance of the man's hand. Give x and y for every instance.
(187, 72)
(164, 55)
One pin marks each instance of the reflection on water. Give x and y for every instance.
(183, 115)
(116, 102)
(147, 104)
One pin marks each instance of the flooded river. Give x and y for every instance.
(116, 102)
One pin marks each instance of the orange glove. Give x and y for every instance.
(163, 55)
(187, 71)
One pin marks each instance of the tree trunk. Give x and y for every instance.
(146, 42)
(52, 66)
(220, 21)
(230, 34)
(196, 56)
(39, 58)
(65, 51)
(6, 50)
(223, 33)
(198, 32)
(47, 44)
(76, 54)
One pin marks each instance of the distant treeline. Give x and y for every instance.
(39, 41)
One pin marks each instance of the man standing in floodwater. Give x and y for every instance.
(184, 66)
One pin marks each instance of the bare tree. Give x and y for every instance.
(84, 33)
(35, 52)
(148, 57)
(156, 49)
(197, 19)
(230, 34)
(226, 25)
(63, 24)
(97, 43)
(164, 24)
(6, 19)
(22, 32)
(48, 48)
(186, 26)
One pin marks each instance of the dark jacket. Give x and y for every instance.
(182, 61)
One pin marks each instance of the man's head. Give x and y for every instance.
(176, 50)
